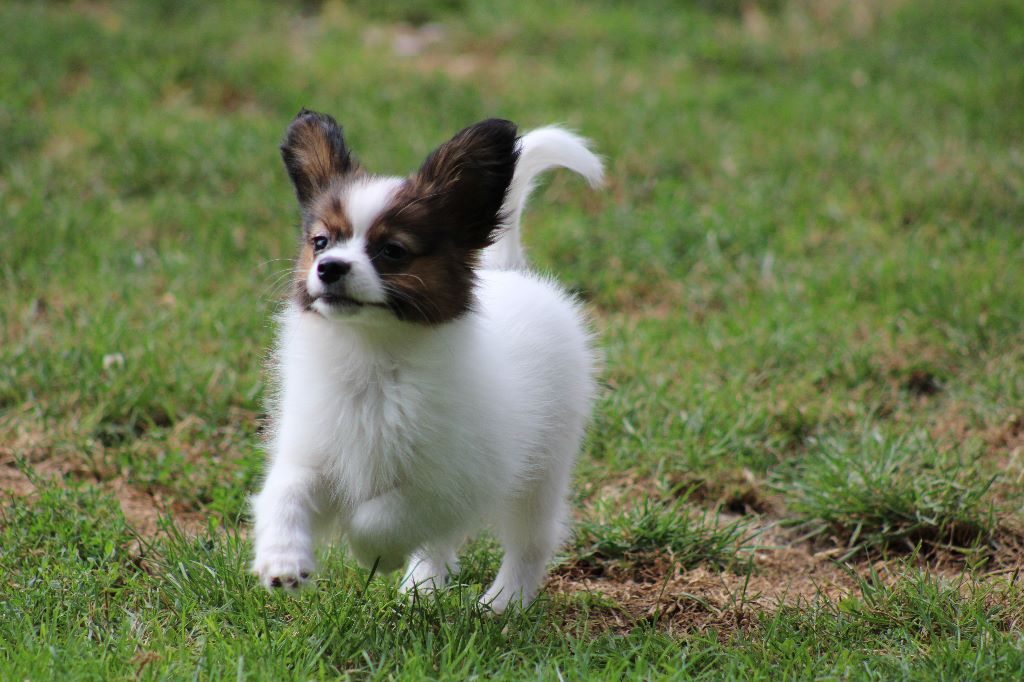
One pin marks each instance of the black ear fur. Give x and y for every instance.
(314, 153)
(466, 178)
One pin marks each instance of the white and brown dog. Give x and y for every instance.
(428, 384)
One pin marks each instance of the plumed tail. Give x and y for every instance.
(539, 150)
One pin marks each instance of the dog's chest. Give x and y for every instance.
(373, 419)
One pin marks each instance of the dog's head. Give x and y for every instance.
(407, 246)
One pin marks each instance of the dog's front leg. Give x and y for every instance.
(385, 530)
(283, 513)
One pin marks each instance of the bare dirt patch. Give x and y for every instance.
(1007, 437)
(781, 573)
(780, 570)
(33, 453)
(142, 510)
(700, 599)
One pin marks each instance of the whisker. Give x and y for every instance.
(418, 200)
(284, 273)
(403, 296)
(279, 282)
(408, 274)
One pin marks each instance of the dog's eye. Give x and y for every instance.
(395, 252)
(319, 243)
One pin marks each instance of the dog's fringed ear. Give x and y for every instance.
(314, 153)
(466, 178)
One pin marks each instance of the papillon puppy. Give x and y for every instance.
(428, 384)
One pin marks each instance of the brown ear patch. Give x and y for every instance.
(463, 182)
(434, 284)
(432, 290)
(314, 153)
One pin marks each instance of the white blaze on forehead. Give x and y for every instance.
(365, 200)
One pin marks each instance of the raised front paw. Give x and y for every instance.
(373, 538)
(283, 568)
(370, 554)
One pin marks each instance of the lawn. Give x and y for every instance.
(805, 273)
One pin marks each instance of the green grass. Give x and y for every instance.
(804, 273)
(882, 494)
(651, 528)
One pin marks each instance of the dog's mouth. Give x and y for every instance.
(330, 305)
(337, 300)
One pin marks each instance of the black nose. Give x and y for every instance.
(330, 271)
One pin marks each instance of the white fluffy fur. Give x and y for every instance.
(539, 150)
(408, 438)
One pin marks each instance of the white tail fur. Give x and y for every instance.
(539, 150)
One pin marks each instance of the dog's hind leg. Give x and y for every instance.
(430, 567)
(531, 526)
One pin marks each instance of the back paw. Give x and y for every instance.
(425, 574)
(502, 594)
